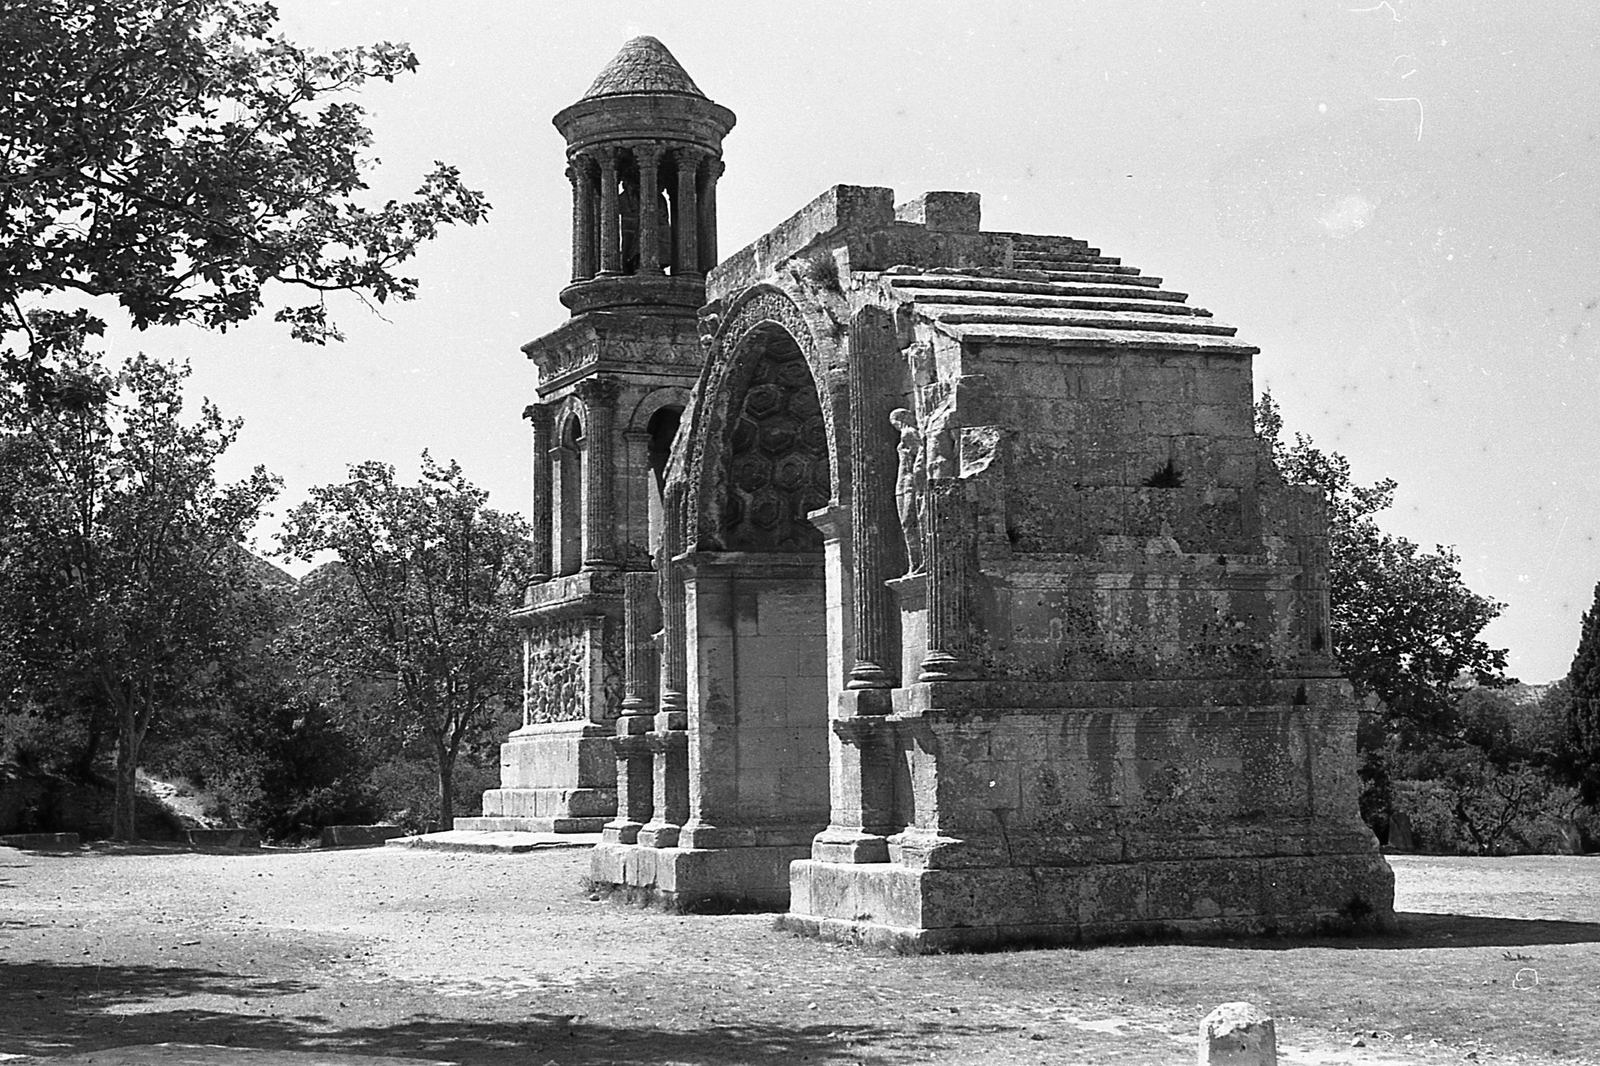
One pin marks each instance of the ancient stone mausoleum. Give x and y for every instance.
(935, 586)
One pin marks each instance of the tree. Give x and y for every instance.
(124, 591)
(178, 156)
(1583, 706)
(1405, 625)
(427, 576)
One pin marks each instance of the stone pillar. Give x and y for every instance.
(635, 760)
(610, 235)
(947, 553)
(538, 416)
(674, 656)
(708, 216)
(688, 250)
(599, 396)
(648, 157)
(872, 344)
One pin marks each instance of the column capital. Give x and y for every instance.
(538, 414)
(599, 393)
(648, 155)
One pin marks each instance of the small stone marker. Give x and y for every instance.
(1238, 1034)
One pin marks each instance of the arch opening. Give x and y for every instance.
(569, 491)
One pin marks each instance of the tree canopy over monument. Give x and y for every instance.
(1405, 625)
(182, 158)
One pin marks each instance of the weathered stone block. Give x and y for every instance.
(1238, 1034)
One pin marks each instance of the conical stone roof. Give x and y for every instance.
(643, 66)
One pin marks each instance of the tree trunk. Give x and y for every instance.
(446, 786)
(122, 809)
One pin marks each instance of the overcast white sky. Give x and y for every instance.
(1397, 203)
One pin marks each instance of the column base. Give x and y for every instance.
(695, 880)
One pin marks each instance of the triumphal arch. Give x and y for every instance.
(926, 581)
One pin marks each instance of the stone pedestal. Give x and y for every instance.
(557, 778)
(1106, 811)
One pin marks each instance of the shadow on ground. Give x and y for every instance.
(1421, 931)
(56, 1010)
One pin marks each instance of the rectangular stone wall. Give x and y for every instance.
(1072, 785)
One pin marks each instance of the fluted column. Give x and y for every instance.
(872, 343)
(538, 416)
(648, 157)
(599, 396)
(948, 557)
(708, 216)
(582, 178)
(688, 251)
(610, 235)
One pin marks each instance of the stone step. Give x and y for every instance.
(1081, 265)
(519, 823)
(1120, 320)
(1091, 255)
(223, 838)
(1141, 280)
(357, 836)
(1042, 286)
(39, 841)
(1068, 303)
(499, 843)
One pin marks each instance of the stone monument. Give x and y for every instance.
(644, 150)
(965, 606)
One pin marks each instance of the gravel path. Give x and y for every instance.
(464, 958)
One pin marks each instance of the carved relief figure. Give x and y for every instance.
(911, 485)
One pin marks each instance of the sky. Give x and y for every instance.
(1396, 202)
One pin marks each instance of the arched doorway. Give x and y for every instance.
(757, 613)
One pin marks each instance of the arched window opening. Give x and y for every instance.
(569, 487)
(663, 429)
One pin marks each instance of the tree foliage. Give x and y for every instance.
(181, 157)
(124, 590)
(1582, 692)
(1405, 625)
(419, 600)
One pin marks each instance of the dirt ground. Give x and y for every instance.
(505, 959)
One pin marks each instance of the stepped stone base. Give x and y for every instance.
(754, 878)
(919, 910)
(500, 843)
(553, 778)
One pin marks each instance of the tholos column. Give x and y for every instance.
(688, 216)
(708, 216)
(947, 553)
(538, 417)
(610, 235)
(647, 157)
(600, 397)
(582, 178)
